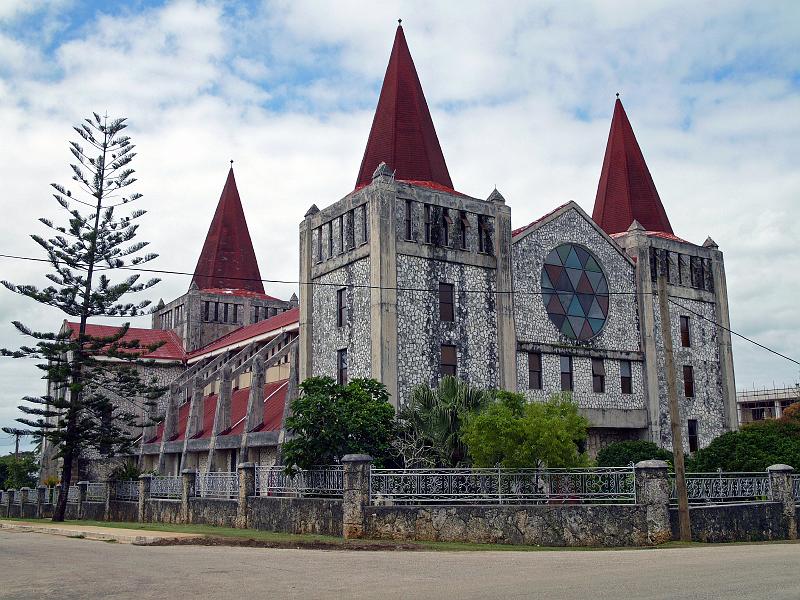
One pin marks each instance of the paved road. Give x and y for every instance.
(30, 568)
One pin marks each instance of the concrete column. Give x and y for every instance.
(111, 496)
(355, 499)
(144, 496)
(247, 488)
(188, 491)
(82, 489)
(10, 497)
(306, 296)
(780, 483)
(506, 330)
(652, 493)
(25, 495)
(724, 338)
(57, 494)
(40, 500)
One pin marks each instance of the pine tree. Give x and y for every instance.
(97, 397)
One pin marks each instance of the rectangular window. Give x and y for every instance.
(409, 220)
(626, 376)
(566, 373)
(341, 234)
(351, 229)
(256, 313)
(447, 361)
(330, 239)
(206, 311)
(235, 313)
(534, 371)
(319, 244)
(341, 366)
(598, 376)
(364, 224)
(225, 313)
(341, 307)
(446, 223)
(688, 381)
(427, 211)
(686, 340)
(694, 442)
(216, 312)
(446, 301)
(463, 226)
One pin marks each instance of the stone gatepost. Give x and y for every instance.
(652, 493)
(247, 488)
(25, 494)
(10, 497)
(144, 496)
(40, 500)
(56, 495)
(780, 485)
(111, 496)
(355, 497)
(83, 487)
(187, 491)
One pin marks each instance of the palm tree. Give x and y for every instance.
(431, 423)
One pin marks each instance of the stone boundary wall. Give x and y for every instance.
(321, 516)
(746, 522)
(216, 512)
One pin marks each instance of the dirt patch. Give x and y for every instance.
(302, 544)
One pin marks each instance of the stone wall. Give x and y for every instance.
(123, 511)
(320, 516)
(751, 522)
(163, 511)
(93, 511)
(217, 512)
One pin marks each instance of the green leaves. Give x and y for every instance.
(621, 454)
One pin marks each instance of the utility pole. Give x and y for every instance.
(674, 412)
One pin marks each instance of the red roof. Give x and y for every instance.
(658, 234)
(228, 260)
(171, 349)
(250, 331)
(402, 133)
(626, 190)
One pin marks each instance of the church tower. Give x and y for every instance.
(226, 290)
(629, 209)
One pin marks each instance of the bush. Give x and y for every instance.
(125, 472)
(791, 413)
(753, 448)
(621, 454)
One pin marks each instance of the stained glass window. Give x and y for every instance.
(575, 292)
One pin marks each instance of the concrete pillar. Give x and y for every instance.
(247, 488)
(83, 487)
(40, 500)
(111, 496)
(306, 296)
(506, 330)
(10, 497)
(355, 498)
(25, 495)
(724, 338)
(57, 494)
(652, 493)
(780, 484)
(188, 491)
(144, 496)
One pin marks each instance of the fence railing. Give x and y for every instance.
(217, 485)
(796, 488)
(127, 490)
(73, 494)
(324, 482)
(503, 486)
(721, 487)
(166, 487)
(96, 492)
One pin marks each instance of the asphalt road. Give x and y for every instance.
(35, 565)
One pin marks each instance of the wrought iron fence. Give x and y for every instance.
(796, 488)
(721, 487)
(222, 484)
(169, 487)
(73, 494)
(503, 486)
(322, 482)
(127, 490)
(96, 492)
(18, 497)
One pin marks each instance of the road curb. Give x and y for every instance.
(136, 540)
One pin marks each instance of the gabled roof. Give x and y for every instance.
(244, 335)
(228, 259)
(402, 133)
(171, 349)
(626, 190)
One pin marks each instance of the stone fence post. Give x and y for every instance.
(10, 498)
(40, 500)
(25, 494)
(780, 485)
(144, 496)
(187, 491)
(247, 488)
(652, 493)
(111, 496)
(355, 497)
(83, 487)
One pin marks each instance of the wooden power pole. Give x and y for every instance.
(674, 412)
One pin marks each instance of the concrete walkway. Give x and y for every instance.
(105, 534)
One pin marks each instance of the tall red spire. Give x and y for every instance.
(228, 260)
(402, 133)
(626, 190)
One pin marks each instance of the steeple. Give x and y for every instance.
(626, 191)
(228, 260)
(402, 133)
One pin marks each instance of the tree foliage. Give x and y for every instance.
(621, 454)
(429, 426)
(754, 447)
(93, 402)
(16, 473)
(329, 421)
(514, 433)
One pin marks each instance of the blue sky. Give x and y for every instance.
(521, 98)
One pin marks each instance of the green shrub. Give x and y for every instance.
(621, 454)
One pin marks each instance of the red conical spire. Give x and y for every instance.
(402, 133)
(626, 190)
(228, 260)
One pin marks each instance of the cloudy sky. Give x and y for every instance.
(521, 98)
